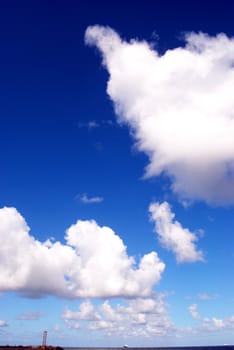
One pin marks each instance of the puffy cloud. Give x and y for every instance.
(179, 107)
(109, 313)
(218, 323)
(215, 324)
(194, 311)
(210, 324)
(140, 305)
(138, 317)
(86, 312)
(92, 263)
(172, 235)
(229, 322)
(27, 265)
(104, 266)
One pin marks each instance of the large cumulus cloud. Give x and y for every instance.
(179, 106)
(92, 263)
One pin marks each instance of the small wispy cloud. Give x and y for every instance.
(89, 200)
(29, 316)
(93, 124)
(57, 329)
(3, 323)
(204, 296)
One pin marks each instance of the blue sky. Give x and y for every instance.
(116, 191)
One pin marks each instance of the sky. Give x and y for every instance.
(117, 172)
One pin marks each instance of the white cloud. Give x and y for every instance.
(57, 329)
(92, 124)
(210, 324)
(172, 235)
(86, 312)
(95, 246)
(77, 269)
(138, 317)
(205, 297)
(30, 316)
(72, 325)
(27, 265)
(100, 325)
(218, 323)
(3, 323)
(89, 200)
(145, 306)
(229, 323)
(179, 107)
(109, 313)
(194, 311)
